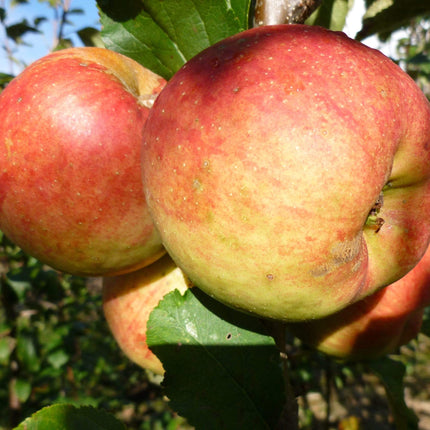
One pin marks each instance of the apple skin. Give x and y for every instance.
(264, 159)
(70, 146)
(128, 301)
(377, 325)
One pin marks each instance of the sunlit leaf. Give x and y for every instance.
(162, 36)
(22, 389)
(331, 14)
(58, 358)
(68, 417)
(222, 369)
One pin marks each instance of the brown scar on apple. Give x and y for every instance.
(341, 253)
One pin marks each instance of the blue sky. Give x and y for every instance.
(42, 43)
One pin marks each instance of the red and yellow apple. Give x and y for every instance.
(377, 325)
(287, 169)
(128, 301)
(70, 147)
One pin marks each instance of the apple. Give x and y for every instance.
(377, 325)
(287, 171)
(70, 145)
(128, 301)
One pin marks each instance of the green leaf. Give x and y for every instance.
(5, 78)
(22, 390)
(7, 345)
(58, 358)
(17, 31)
(91, 37)
(222, 369)
(39, 20)
(76, 11)
(385, 16)
(162, 36)
(68, 417)
(20, 280)
(391, 374)
(27, 352)
(331, 14)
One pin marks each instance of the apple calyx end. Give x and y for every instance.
(374, 221)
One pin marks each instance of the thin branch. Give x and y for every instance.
(61, 10)
(289, 419)
(272, 12)
(65, 11)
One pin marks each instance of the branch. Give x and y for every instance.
(60, 10)
(289, 419)
(272, 12)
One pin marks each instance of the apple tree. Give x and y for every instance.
(223, 368)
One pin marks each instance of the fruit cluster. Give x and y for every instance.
(285, 170)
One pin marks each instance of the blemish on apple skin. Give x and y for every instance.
(341, 253)
(270, 276)
(197, 185)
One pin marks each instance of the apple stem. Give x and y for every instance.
(273, 12)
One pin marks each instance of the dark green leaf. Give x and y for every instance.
(27, 352)
(391, 374)
(222, 369)
(68, 417)
(380, 19)
(75, 11)
(5, 78)
(20, 280)
(425, 328)
(37, 21)
(7, 344)
(331, 14)
(91, 37)
(420, 61)
(2, 14)
(162, 36)
(16, 31)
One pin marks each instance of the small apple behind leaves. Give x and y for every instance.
(70, 150)
(128, 301)
(287, 169)
(377, 325)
